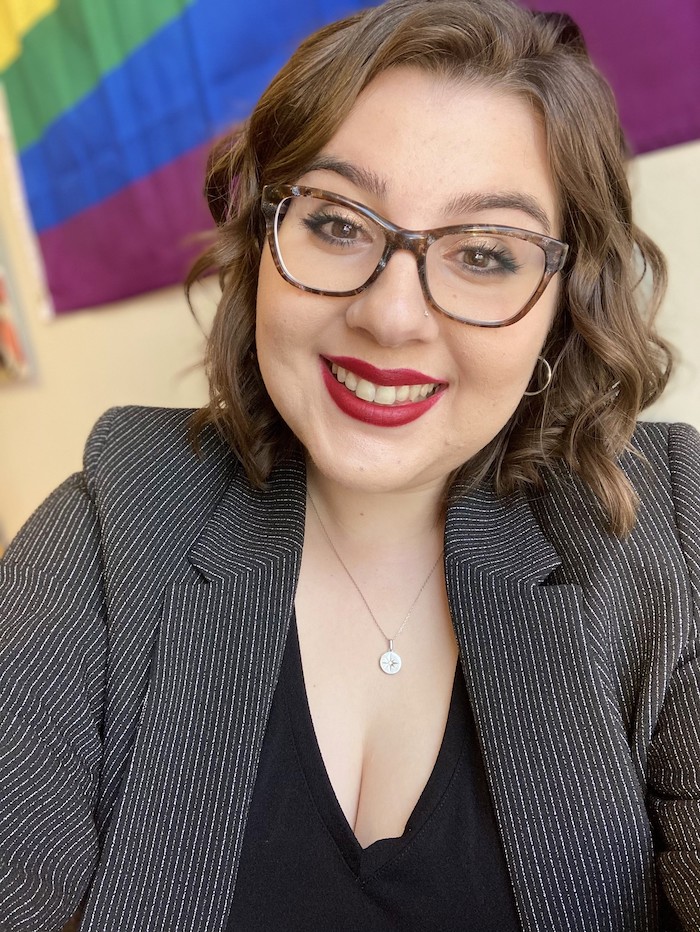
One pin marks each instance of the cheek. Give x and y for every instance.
(274, 316)
(269, 327)
(268, 297)
(495, 366)
(286, 330)
(275, 358)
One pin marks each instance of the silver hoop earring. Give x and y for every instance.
(548, 378)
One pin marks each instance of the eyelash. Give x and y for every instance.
(500, 254)
(316, 222)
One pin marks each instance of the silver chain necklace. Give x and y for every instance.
(390, 661)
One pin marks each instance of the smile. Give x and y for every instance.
(382, 394)
(381, 397)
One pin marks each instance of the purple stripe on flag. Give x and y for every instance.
(124, 245)
(650, 52)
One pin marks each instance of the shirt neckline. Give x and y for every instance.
(365, 862)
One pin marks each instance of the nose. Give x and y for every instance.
(393, 309)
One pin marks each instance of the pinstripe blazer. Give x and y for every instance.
(144, 611)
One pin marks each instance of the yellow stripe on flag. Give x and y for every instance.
(17, 17)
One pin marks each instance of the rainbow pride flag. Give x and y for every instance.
(114, 104)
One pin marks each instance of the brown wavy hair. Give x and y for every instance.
(608, 361)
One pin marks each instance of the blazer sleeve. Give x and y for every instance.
(674, 758)
(52, 670)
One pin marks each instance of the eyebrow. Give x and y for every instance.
(512, 200)
(361, 177)
(462, 204)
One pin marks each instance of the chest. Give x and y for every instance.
(379, 734)
(566, 795)
(445, 871)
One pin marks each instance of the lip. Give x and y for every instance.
(365, 411)
(382, 376)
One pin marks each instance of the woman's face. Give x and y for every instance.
(418, 150)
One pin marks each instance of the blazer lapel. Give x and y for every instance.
(171, 860)
(556, 767)
(560, 772)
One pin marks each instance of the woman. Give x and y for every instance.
(412, 642)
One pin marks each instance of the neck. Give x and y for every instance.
(409, 517)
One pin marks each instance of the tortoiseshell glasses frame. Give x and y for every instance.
(414, 241)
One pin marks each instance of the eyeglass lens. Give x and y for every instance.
(475, 275)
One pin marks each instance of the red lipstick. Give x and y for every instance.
(366, 411)
(382, 376)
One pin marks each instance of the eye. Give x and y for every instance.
(338, 229)
(341, 229)
(485, 258)
(476, 257)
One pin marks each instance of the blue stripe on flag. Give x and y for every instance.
(185, 85)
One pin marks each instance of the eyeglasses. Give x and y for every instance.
(485, 275)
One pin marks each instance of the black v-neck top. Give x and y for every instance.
(302, 868)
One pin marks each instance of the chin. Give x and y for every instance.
(374, 474)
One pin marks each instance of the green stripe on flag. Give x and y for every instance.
(66, 54)
(16, 19)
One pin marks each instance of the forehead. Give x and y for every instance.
(422, 142)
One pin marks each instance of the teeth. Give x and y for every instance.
(365, 390)
(381, 394)
(385, 395)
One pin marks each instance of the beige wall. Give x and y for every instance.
(667, 189)
(143, 351)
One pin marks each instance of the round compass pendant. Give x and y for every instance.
(390, 662)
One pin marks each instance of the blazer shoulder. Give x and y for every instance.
(655, 450)
(139, 463)
(663, 466)
(152, 442)
(661, 441)
(682, 457)
(665, 456)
